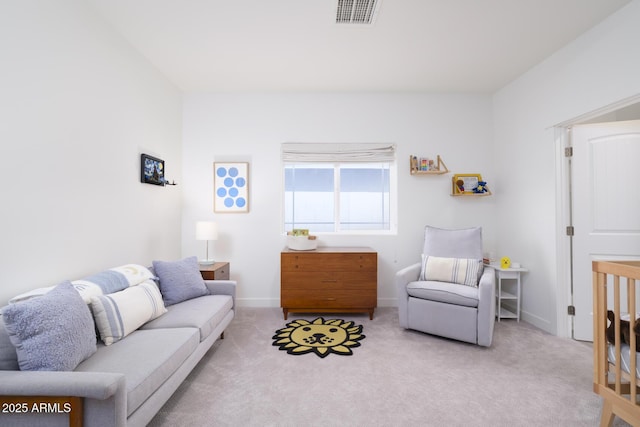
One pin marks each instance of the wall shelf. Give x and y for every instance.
(460, 184)
(488, 193)
(440, 169)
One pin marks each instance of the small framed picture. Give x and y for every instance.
(231, 187)
(465, 183)
(151, 170)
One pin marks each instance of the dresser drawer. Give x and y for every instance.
(302, 298)
(327, 280)
(329, 262)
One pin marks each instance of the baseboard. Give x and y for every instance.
(258, 302)
(387, 302)
(537, 321)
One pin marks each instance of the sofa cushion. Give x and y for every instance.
(146, 358)
(180, 280)
(463, 271)
(120, 313)
(449, 293)
(204, 313)
(54, 332)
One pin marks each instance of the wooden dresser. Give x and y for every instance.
(329, 280)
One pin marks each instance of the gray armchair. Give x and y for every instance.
(457, 311)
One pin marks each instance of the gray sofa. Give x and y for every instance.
(126, 383)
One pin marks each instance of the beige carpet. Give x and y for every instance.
(395, 378)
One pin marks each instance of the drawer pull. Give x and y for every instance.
(329, 281)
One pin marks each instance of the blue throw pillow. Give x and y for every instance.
(180, 280)
(54, 332)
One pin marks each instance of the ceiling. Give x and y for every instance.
(294, 45)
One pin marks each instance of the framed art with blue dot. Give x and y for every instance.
(231, 187)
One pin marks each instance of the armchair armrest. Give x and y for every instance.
(486, 306)
(404, 277)
(222, 287)
(408, 274)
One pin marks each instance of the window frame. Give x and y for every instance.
(335, 165)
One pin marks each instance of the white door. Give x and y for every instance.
(605, 182)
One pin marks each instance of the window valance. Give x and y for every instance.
(296, 152)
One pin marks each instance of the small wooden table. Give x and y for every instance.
(216, 271)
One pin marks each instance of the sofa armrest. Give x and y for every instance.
(103, 396)
(486, 306)
(222, 287)
(93, 385)
(403, 278)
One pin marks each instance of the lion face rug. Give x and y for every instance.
(319, 336)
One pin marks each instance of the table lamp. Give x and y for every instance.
(206, 230)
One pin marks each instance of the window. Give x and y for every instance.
(324, 194)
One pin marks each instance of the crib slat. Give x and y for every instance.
(600, 322)
(631, 298)
(616, 310)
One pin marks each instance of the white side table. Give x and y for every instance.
(502, 295)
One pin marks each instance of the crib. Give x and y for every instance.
(611, 380)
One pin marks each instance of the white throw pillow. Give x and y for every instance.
(462, 271)
(111, 281)
(120, 313)
(134, 273)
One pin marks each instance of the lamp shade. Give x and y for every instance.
(206, 230)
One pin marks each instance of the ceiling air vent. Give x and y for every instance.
(357, 11)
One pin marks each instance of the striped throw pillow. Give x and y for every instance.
(462, 271)
(120, 313)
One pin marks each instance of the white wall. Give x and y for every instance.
(599, 68)
(77, 107)
(251, 127)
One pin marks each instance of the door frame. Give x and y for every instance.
(564, 273)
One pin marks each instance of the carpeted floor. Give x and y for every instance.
(395, 378)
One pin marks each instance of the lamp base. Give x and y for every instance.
(206, 262)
